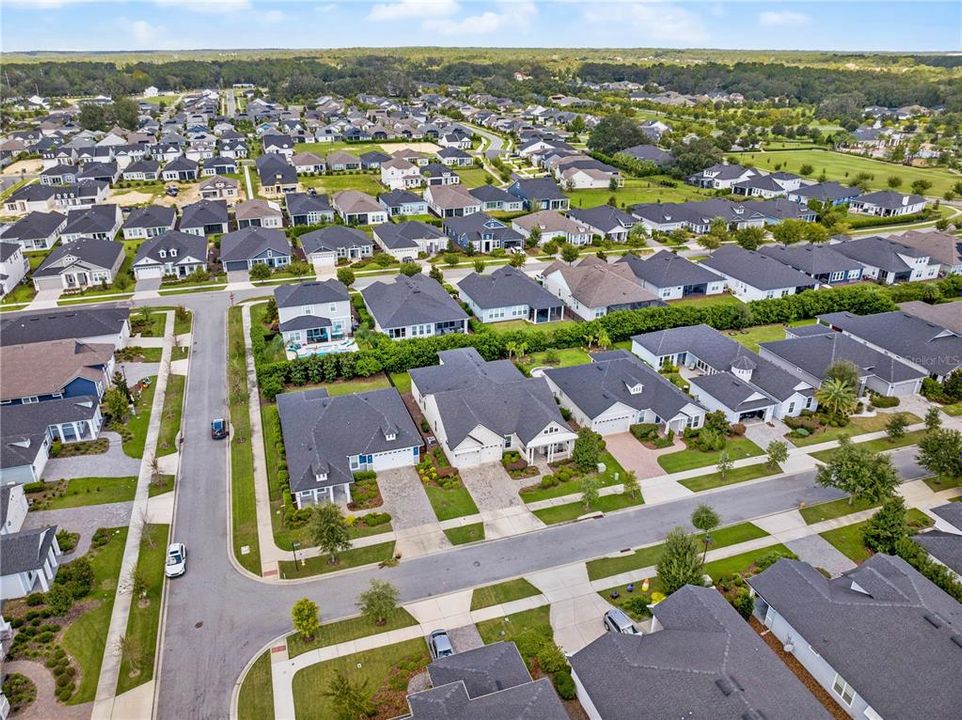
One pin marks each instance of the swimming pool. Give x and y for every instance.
(325, 349)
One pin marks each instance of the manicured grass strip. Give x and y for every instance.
(689, 459)
(743, 562)
(834, 509)
(137, 424)
(86, 638)
(346, 630)
(164, 484)
(940, 483)
(572, 511)
(137, 665)
(856, 426)
(358, 385)
(402, 381)
(527, 629)
(386, 672)
(648, 556)
(848, 541)
(878, 445)
(612, 475)
(953, 410)
(171, 415)
(256, 698)
(735, 475)
(94, 491)
(465, 534)
(449, 504)
(243, 504)
(502, 592)
(320, 565)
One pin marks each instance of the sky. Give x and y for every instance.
(225, 24)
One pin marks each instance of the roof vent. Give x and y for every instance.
(933, 620)
(728, 685)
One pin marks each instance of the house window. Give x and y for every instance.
(354, 463)
(843, 690)
(507, 441)
(30, 400)
(332, 307)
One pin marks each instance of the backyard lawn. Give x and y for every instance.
(737, 448)
(637, 190)
(856, 426)
(402, 381)
(330, 184)
(752, 337)
(566, 358)
(171, 415)
(256, 699)
(357, 385)
(320, 564)
(473, 177)
(94, 491)
(346, 630)
(465, 534)
(703, 300)
(503, 592)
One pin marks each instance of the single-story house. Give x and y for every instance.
(142, 171)
(407, 240)
(482, 232)
(887, 203)
(889, 261)
(31, 198)
(552, 225)
(403, 202)
(721, 176)
(90, 325)
(509, 294)
(180, 169)
(672, 277)
(448, 201)
(751, 275)
(373, 159)
(415, 306)
(79, 264)
(824, 263)
(313, 312)
(218, 165)
(454, 157)
(330, 244)
(649, 153)
(358, 208)
(148, 222)
(13, 266)
(28, 561)
(258, 213)
(99, 222)
(13, 507)
(250, 246)
(605, 221)
(339, 161)
(308, 209)
(831, 193)
(174, 253)
(942, 247)
(276, 176)
(36, 230)
(593, 288)
(204, 217)
(39, 372)
(307, 162)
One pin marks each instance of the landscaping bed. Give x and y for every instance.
(819, 431)
(87, 447)
(566, 479)
(737, 448)
(137, 354)
(517, 467)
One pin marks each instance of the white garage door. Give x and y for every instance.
(48, 283)
(393, 459)
(610, 426)
(327, 260)
(478, 456)
(148, 273)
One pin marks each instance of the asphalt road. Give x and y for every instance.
(216, 618)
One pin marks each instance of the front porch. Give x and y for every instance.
(76, 431)
(339, 494)
(548, 452)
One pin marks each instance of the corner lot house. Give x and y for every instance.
(616, 390)
(889, 261)
(415, 306)
(243, 249)
(509, 294)
(308, 209)
(594, 288)
(79, 264)
(941, 247)
(149, 222)
(37, 230)
(357, 208)
(672, 277)
(89, 325)
(751, 275)
(888, 203)
(52, 370)
(30, 559)
(881, 639)
(328, 439)
(407, 240)
(313, 312)
(330, 244)
(700, 660)
(478, 410)
(175, 253)
(205, 217)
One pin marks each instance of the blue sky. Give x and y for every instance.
(218, 24)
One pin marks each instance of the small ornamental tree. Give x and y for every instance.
(587, 449)
(351, 700)
(777, 452)
(329, 530)
(895, 427)
(887, 526)
(306, 618)
(705, 518)
(858, 471)
(346, 276)
(680, 562)
(378, 602)
(940, 452)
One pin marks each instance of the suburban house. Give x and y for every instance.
(913, 340)
(372, 159)
(308, 209)
(721, 176)
(30, 561)
(882, 639)
(772, 185)
(581, 172)
(824, 263)
(243, 249)
(219, 188)
(30, 198)
(403, 202)
(276, 144)
(340, 161)
(725, 375)
(944, 314)
(358, 208)
(276, 176)
(887, 203)
(13, 507)
(407, 240)
(889, 261)
(90, 325)
(415, 306)
(700, 660)
(328, 439)
(100, 222)
(649, 153)
(180, 169)
(36, 230)
(616, 390)
(313, 312)
(539, 194)
(447, 201)
(258, 213)
(175, 253)
(142, 171)
(593, 288)
(218, 166)
(13, 266)
(307, 162)
(437, 174)
(490, 681)
(204, 217)
(482, 232)
(79, 264)
(751, 275)
(494, 198)
(399, 174)
(478, 410)
(831, 193)
(148, 222)
(552, 225)
(605, 221)
(672, 277)
(330, 244)
(38, 372)
(943, 542)
(941, 247)
(509, 294)
(455, 157)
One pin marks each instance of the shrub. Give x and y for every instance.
(548, 481)
(769, 559)
(376, 518)
(564, 684)
(744, 603)
(76, 577)
(885, 401)
(551, 659)
(565, 412)
(644, 431)
(34, 599)
(738, 429)
(101, 537)
(35, 487)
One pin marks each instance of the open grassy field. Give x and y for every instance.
(331, 184)
(843, 167)
(636, 190)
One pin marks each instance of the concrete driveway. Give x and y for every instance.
(499, 504)
(238, 280)
(45, 299)
(416, 528)
(147, 285)
(576, 610)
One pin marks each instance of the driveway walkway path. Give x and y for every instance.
(416, 528)
(84, 520)
(113, 463)
(499, 504)
(46, 706)
(632, 455)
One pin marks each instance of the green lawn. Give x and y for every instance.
(735, 475)
(938, 484)
(448, 504)
(856, 426)
(737, 448)
(465, 534)
(137, 424)
(612, 475)
(143, 622)
(22, 293)
(743, 562)
(878, 445)
(385, 671)
(566, 358)
(171, 415)
(527, 629)
(512, 325)
(320, 565)
(752, 337)
(256, 698)
(843, 168)
(503, 592)
(330, 184)
(345, 630)
(834, 509)
(648, 556)
(155, 326)
(86, 637)
(953, 410)
(706, 300)
(164, 484)
(273, 349)
(357, 385)
(402, 381)
(572, 511)
(94, 491)
(637, 190)
(473, 177)
(848, 540)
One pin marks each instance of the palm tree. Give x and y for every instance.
(837, 397)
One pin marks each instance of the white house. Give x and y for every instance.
(31, 559)
(399, 174)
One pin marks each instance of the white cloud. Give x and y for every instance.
(208, 7)
(413, 10)
(143, 31)
(783, 18)
(664, 24)
(510, 16)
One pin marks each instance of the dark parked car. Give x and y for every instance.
(219, 429)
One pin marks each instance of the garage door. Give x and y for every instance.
(48, 283)
(609, 426)
(325, 260)
(148, 273)
(393, 459)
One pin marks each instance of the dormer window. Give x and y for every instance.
(321, 477)
(636, 389)
(390, 435)
(162, 253)
(173, 252)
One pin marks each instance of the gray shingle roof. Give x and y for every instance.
(604, 218)
(733, 393)
(95, 219)
(204, 212)
(705, 664)
(755, 269)
(505, 287)
(25, 550)
(827, 192)
(185, 244)
(538, 189)
(310, 293)
(250, 242)
(150, 217)
(397, 198)
(46, 325)
(303, 203)
(951, 513)
(532, 701)
(483, 670)
(400, 236)
(665, 270)
(650, 153)
(890, 199)
(946, 547)
(883, 627)
(811, 259)
(98, 253)
(879, 252)
(490, 193)
(334, 238)
(34, 225)
(411, 301)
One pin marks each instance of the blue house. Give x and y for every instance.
(53, 370)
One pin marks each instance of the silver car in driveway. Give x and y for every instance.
(616, 621)
(440, 644)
